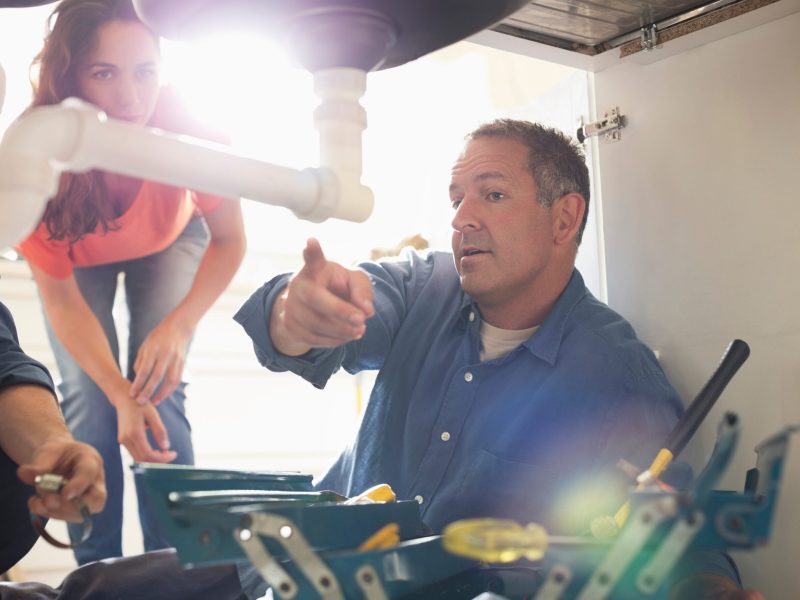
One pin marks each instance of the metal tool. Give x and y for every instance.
(312, 545)
(324, 540)
(51, 483)
(734, 357)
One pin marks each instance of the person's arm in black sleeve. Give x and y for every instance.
(34, 438)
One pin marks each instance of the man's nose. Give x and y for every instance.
(466, 216)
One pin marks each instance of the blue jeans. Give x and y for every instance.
(154, 285)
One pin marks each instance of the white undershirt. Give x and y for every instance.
(496, 342)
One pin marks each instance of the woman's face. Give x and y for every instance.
(120, 72)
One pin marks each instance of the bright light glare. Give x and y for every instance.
(247, 88)
(417, 115)
(20, 40)
(244, 85)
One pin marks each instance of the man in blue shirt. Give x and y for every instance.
(505, 389)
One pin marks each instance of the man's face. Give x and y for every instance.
(502, 237)
(120, 73)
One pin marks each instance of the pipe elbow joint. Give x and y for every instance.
(341, 196)
(34, 151)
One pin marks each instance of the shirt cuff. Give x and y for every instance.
(315, 366)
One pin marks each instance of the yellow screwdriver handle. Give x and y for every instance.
(386, 537)
(382, 492)
(495, 540)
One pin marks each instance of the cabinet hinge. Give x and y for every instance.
(610, 125)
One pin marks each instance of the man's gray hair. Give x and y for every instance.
(557, 163)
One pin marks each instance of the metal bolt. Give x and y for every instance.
(736, 523)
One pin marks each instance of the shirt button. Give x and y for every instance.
(445, 436)
(467, 376)
(419, 499)
(472, 316)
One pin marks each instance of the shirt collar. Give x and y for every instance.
(546, 340)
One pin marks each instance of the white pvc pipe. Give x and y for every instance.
(340, 120)
(74, 136)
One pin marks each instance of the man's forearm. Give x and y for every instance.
(29, 416)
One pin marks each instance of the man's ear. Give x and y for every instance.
(568, 213)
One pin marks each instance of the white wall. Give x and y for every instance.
(701, 215)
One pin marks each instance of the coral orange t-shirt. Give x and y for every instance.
(155, 219)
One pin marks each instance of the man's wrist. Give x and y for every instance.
(282, 340)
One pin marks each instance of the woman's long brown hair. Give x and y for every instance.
(79, 206)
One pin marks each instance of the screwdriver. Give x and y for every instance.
(734, 357)
(495, 540)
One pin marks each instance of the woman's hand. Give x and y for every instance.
(80, 464)
(161, 358)
(160, 361)
(133, 420)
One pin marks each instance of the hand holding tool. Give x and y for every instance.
(51, 483)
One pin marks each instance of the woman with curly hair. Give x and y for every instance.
(176, 251)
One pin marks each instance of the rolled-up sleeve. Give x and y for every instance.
(315, 366)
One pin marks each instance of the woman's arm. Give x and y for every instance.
(162, 355)
(81, 334)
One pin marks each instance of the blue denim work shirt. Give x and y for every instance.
(533, 436)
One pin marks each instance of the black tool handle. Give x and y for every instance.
(734, 357)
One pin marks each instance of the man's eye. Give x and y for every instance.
(495, 196)
(104, 74)
(455, 203)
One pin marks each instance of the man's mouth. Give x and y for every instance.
(472, 252)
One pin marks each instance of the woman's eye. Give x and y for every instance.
(146, 73)
(103, 74)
